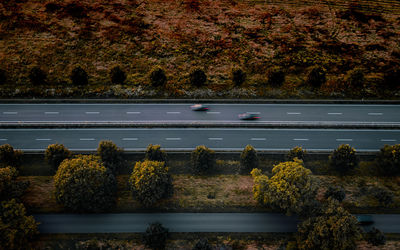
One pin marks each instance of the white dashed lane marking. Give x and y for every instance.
(258, 139)
(213, 113)
(3, 139)
(51, 113)
(86, 139)
(92, 113)
(300, 139)
(215, 139)
(40, 139)
(133, 113)
(10, 113)
(344, 139)
(388, 140)
(335, 113)
(293, 113)
(173, 139)
(375, 113)
(173, 113)
(129, 139)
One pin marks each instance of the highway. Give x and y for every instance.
(133, 139)
(182, 114)
(187, 222)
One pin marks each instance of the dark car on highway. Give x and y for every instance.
(248, 116)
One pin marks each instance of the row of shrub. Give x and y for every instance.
(316, 77)
(343, 159)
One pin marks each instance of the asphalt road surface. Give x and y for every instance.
(181, 113)
(189, 138)
(187, 222)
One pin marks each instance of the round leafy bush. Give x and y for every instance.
(111, 155)
(248, 160)
(355, 78)
(158, 77)
(375, 237)
(202, 159)
(3, 76)
(79, 76)
(9, 156)
(296, 152)
(343, 159)
(337, 193)
(202, 244)
(83, 184)
(155, 236)
(391, 78)
(276, 76)
(17, 229)
(388, 160)
(197, 77)
(37, 76)
(154, 153)
(316, 76)
(150, 182)
(55, 154)
(117, 75)
(238, 76)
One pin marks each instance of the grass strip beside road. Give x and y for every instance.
(221, 193)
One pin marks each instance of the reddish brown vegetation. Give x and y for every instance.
(179, 35)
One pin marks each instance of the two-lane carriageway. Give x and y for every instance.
(73, 113)
(132, 139)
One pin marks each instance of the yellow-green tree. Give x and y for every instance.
(9, 156)
(290, 189)
(16, 228)
(343, 159)
(84, 184)
(55, 154)
(335, 228)
(248, 160)
(150, 182)
(388, 160)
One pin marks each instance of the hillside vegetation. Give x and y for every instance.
(355, 43)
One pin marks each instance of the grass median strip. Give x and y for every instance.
(223, 193)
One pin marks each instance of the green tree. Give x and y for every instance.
(154, 153)
(155, 236)
(276, 76)
(111, 156)
(79, 76)
(296, 152)
(9, 156)
(158, 77)
(37, 76)
(335, 228)
(150, 182)
(202, 159)
(388, 160)
(375, 237)
(355, 78)
(16, 228)
(291, 188)
(10, 187)
(197, 77)
(84, 184)
(343, 159)
(55, 154)
(248, 160)
(117, 75)
(336, 193)
(316, 77)
(238, 76)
